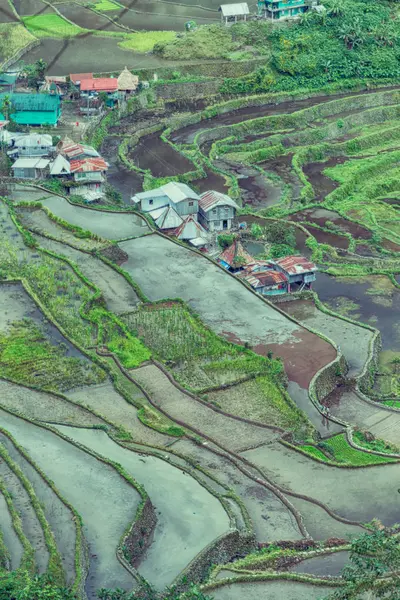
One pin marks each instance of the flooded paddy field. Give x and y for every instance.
(188, 516)
(290, 590)
(93, 492)
(373, 300)
(159, 157)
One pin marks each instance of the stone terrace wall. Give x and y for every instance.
(188, 90)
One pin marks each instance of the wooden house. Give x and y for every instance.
(235, 258)
(216, 211)
(192, 232)
(300, 272)
(74, 151)
(178, 195)
(35, 109)
(31, 168)
(264, 279)
(230, 13)
(282, 9)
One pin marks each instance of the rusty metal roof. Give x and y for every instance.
(212, 199)
(236, 251)
(88, 165)
(101, 84)
(296, 265)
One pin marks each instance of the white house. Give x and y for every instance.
(166, 218)
(30, 168)
(216, 211)
(192, 232)
(230, 13)
(178, 195)
(34, 144)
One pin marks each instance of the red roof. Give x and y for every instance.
(101, 84)
(88, 165)
(296, 265)
(236, 251)
(80, 77)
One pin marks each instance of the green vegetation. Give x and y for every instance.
(361, 438)
(51, 25)
(13, 37)
(25, 356)
(17, 585)
(208, 41)
(149, 417)
(313, 451)
(106, 5)
(144, 41)
(342, 452)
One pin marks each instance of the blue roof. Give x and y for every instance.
(34, 109)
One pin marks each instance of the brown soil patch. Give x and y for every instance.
(321, 216)
(323, 237)
(162, 160)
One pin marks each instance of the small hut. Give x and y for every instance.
(127, 82)
(231, 12)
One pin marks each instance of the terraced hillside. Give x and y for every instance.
(159, 430)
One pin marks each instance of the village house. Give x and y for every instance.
(167, 219)
(262, 277)
(90, 174)
(95, 86)
(34, 144)
(235, 258)
(216, 211)
(230, 13)
(299, 271)
(7, 82)
(282, 9)
(74, 151)
(127, 83)
(35, 109)
(78, 77)
(178, 195)
(31, 168)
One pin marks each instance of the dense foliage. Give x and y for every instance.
(20, 585)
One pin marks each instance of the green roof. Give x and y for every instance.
(8, 78)
(34, 109)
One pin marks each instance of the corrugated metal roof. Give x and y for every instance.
(34, 139)
(236, 251)
(72, 150)
(212, 199)
(177, 192)
(296, 265)
(80, 77)
(263, 279)
(190, 229)
(88, 165)
(59, 166)
(169, 219)
(31, 163)
(33, 102)
(101, 84)
(232, 10)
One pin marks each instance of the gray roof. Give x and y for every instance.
(60, 165)
(232, 10)
(174, 190)
(31, 163)
(34, 139)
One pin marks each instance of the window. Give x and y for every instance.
(151, 201)
(191, 203)
(214, 211)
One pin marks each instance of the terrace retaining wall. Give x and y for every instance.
(188, 90)
(139, 537)
(231, 545)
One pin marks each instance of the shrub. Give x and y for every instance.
(225, 240)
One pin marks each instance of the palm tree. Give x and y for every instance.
(337, 8)
(352, 34)
(7, 107)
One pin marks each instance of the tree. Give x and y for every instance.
(7, 107)
(352, 33)
(35, 73)
(374, 569)
(337, 8)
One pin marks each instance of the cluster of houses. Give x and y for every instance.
(44, 108)
(81, 167)
(180, 212)
(268, 277)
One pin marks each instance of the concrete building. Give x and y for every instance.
(282, 9)
(216, 211)
(230, 13)
(31, 168)
(90, 174)
(178, 195)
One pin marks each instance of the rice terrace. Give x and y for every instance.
(200, 300)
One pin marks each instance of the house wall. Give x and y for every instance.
(34, 151)
(186, 207)
(213, 219)
(148, 204)
(26, 173)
